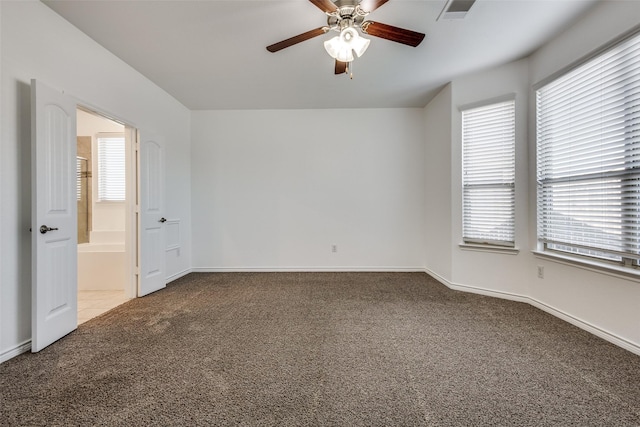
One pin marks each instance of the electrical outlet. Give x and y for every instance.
(541, 272)
(334, 248)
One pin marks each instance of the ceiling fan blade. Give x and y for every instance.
(371, 5)
(326, 6)
(297, 39)
(395, 34)
(341, 67)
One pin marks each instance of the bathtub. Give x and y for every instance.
(101, 266)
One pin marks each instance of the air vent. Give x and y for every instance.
(456, 9)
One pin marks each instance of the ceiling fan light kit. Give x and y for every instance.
(347, 18)
(342, 47)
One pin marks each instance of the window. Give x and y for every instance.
(488, 167)
(588, 161)
(111, 168)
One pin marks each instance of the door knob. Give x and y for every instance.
(162, 220)
(44, 229)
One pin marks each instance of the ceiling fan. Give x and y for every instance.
(347, 18)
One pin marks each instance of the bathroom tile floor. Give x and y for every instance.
(93, 303)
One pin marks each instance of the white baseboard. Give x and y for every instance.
(595, 330)
(306, 269)
(15, 351)
(476, 290)
(179, 275)
(582, 324)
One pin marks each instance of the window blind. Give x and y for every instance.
(488, 142)
(588, 159)
(111, 169)
(78, 179)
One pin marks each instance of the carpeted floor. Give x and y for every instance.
(322, 349)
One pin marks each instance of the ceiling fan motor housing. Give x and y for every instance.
(349, 14)
(344, 3)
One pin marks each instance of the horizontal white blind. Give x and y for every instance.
(78, 179)
(488, 141)
(111, 169)
(588, 162)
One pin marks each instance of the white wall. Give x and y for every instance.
(437, 161)
(463, 268)
(480, 268)
(489, 271)
(72, 62)
(604, 23)
(276, 189)
(609, 304)
(604, 304)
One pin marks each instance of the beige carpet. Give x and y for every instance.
(322, 349)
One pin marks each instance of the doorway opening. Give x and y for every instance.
(104, 178)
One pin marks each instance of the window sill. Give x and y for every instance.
(489, 248)
(591, 265)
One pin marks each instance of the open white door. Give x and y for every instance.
(151, 249)
(54, 237)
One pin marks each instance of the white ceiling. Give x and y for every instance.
(211, 54)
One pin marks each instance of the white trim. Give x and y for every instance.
(131, 224)
(489, 248)
(88, 107)
(582, 324)
(15, 351)
(173, 246)
(241, 269)
(476, 290)
(179, 275)
(486, 102)
(590, 265)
